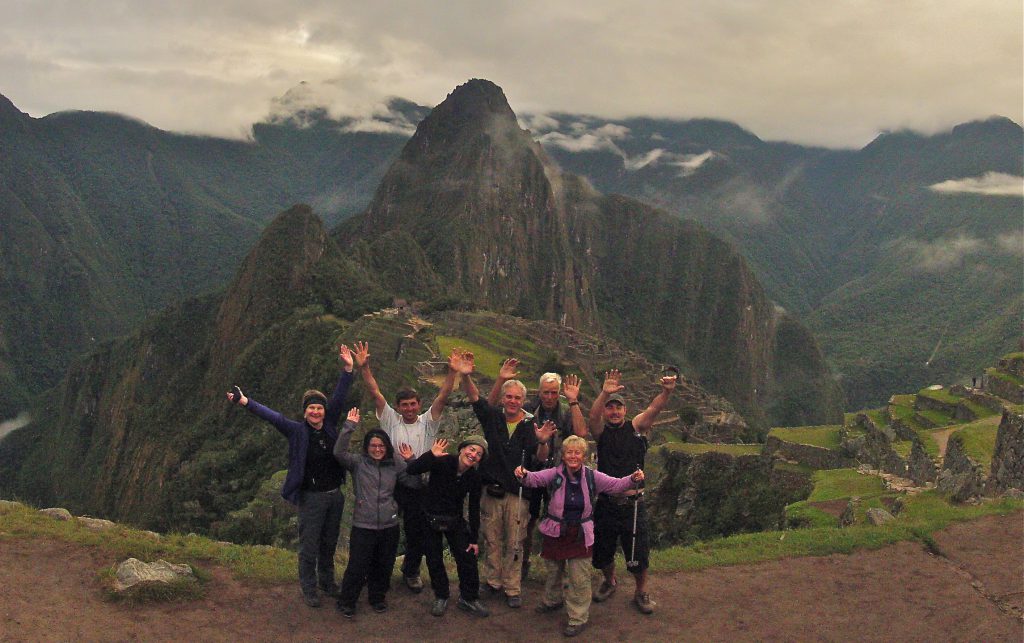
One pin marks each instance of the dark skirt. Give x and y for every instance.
(570, 544)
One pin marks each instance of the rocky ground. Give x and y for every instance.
(973, 589)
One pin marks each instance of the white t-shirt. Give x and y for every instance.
(419, 435)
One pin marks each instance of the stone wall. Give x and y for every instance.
(716, 494)
(812, 456)
(920, 467)
(1007, 468)
(961, 477)
(1004, 389)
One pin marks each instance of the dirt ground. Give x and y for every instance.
(973, 590)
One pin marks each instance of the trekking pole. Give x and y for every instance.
(633, 563)
(519, 517)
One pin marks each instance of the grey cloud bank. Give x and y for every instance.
(831, 74)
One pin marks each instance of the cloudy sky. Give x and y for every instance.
(812, 72)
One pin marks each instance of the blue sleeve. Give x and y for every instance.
(337, 402)
(280, 422)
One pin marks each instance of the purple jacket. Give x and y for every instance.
(602, 484)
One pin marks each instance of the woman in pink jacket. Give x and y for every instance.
(568, 527)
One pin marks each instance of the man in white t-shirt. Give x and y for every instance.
(406, 425)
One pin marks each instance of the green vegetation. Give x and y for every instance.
(252, 562)
(1006, 377)
(923, 515)
(826, 436)
(941, 395)
(487, 361)
(878, 416)
(844, 483)
(979, 439)
(937, 418)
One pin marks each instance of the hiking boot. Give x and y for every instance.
(332, 590)
(476, 608)
(440, 605)
(414, 583)
(380, 607)
(604, 592)
(348, 611)
(572, 630)
(515, 602)
(311, 598)
(491, 589)
(644, 603)
(544, 608)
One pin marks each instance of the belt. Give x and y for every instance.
(623, 500)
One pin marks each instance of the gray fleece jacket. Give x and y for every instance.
(373, 480)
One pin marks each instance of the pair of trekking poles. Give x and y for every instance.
(631, 564)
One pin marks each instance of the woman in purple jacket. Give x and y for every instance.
(568, 528)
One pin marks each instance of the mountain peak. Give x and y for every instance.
(9, 113)
(473, 108)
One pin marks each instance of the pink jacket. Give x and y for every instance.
(602, 484)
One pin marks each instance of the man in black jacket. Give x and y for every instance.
(514, 439)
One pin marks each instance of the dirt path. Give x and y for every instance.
(942, 439)
(973, 591)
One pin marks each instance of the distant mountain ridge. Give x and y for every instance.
(504, 227)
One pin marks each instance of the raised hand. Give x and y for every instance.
(345, 354)
(611, 382)
(361, 354)
(637, 476)
(509, 369)
(571, 387)
(545, 431)
(405, 451)
(353, 415)
(669, 382)
(461, 361)
(439, 448)
(235, 395)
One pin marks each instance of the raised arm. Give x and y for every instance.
(571, 390)
(462, 362)
(362, 360)
(337, 401)
(645, 419)
(446, 389)
(341, 445)
(508, 371)
(611, 385)
(284, 425)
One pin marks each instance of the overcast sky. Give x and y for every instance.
(831, 73)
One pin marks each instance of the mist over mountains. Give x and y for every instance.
(908, 247)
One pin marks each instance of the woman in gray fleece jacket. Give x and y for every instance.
(373, 542)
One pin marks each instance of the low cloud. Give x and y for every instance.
(642, 160)
(1011, 243)
(943, 254)
(538, 122)
(990, 183)
(690, 163)
(397, 126)
(8, 426)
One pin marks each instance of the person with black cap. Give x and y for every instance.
(452, 479)
(373, 541)
(314, 477)
(621, 448)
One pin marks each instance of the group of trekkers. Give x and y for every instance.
(528, 465)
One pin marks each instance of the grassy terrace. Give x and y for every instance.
(1003, 375)
(980, 440)
(938, 418)
(487, 361)
(694, 448)
(940, 395)
(826, 436)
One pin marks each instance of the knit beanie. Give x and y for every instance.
(478, 440)
(313, 396)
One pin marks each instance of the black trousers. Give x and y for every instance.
(371, 559)
(465, 561)
(414, 527)
(319, 528)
